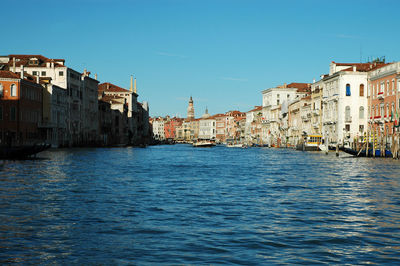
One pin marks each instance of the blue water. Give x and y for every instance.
(182, 205)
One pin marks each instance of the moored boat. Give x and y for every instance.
(22, 151)
(204, 143)
(311, 143)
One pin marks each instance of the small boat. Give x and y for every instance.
(204, 143)
(237, 145)
(22, 151)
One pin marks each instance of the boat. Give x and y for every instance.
(237, 145)
(362, 153)
(204, 143)
(311, 143)
(22, 151)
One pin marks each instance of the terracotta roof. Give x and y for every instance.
(364, 67)
(23, 59)
(111, 87)
(8, 74)
(298, 85)
(256, 108)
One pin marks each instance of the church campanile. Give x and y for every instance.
(190, 110)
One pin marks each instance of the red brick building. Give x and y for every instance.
(21, 100)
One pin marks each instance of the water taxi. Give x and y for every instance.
(311, 143)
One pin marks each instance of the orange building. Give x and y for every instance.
(170, 127)
(383, 102)
(21, 100)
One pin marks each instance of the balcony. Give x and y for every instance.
(348, 119)
(316, 125)
(380, 96)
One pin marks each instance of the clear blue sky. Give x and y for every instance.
(222, 52)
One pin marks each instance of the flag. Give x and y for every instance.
(391, 116)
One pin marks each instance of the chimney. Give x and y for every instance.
(131, 87)
(108, 86)
(52, 63)
(14, 64)
(134, 87)
(95, 76)
(22, 71)
(354, 68)
(284, 85)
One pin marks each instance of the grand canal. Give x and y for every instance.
(181, 205)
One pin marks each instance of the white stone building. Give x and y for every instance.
(344, 92)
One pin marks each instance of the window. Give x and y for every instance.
(361, 90)
(61, 73)
(347, 113)
(277, 102)
(43, 73)
(347, 127)
(1, 90)
(35, 73)
(13, 90)
(361, 128)
(12, 113)
(348, 92)
(361, 112)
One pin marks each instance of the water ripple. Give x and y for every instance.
(169, 205)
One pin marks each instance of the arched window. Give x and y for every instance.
(13, 90)
(348, 92)
(361, 90)
(361, 112)
(1, 90)
(347, 114)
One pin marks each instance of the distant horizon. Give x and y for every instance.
(222, 53)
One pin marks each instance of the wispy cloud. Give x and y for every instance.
(345, 36)
(233, 79)
(171, 55)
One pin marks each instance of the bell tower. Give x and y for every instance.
(190, 110)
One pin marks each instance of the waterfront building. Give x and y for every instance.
(207, 126)
(130, 99)
(232, 125)
(21, 100)
(306, 115)
(142, 122)
(81, 125)
(294, 133)
(170, 127)
(105, 123)
(194, 129)
(383, 101)
(90, 120)
(119, 120)
(220, 127)
(316, 105)
(55, 114)
(272, 100)
(344, 100)
(253, 125)
(158, 128)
